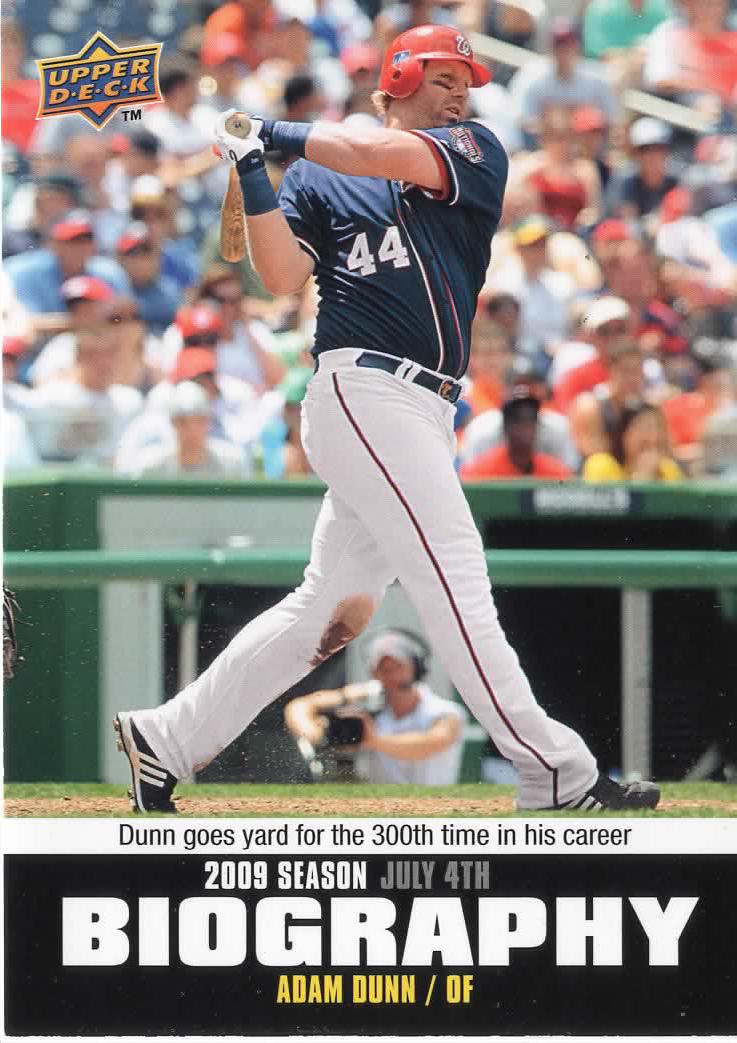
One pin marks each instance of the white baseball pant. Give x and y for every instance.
(394, 509)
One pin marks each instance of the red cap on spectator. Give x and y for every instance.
(360, 56)
(612, 230)
(86, 288)
(194, 362)
(218, 49)
(134, 236)
(588, 118)
(73, 225)
(199, 321)
(14, 346)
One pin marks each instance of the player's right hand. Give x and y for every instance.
(230, 146)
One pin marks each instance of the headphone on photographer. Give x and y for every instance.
(412, 645)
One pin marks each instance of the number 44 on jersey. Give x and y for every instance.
(391, 251)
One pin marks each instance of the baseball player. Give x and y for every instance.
(396, 224)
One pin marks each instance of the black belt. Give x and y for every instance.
(443, 386)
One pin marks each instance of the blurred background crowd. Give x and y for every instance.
(605, 343)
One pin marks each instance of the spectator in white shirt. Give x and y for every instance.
(19, 452)
(15, 394)
(194, 451)
(237, 414)
(82, 417)
(691, 241)
(187, 147)
(545, 296)
(563, 79)
(172, 122)
(84, 297)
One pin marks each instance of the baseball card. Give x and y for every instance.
(369, 519)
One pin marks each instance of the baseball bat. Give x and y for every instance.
(232, 212)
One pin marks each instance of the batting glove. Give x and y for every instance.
(231, 147)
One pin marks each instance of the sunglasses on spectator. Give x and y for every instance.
(201, 340)
(139, 251)
(613, 329)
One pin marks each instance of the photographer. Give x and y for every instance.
(416, 737)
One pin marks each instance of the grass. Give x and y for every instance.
(721, 797)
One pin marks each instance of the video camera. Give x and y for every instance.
(344, 728)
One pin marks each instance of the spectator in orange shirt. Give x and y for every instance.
(516, 456)
(250, 20)
(607, 318)
(18, 97)
(687, 413)
(491, 356)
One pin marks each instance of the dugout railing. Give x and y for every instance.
(635, 573)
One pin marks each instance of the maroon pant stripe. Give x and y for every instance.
(446, 588)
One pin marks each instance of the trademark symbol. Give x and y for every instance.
(132, 114)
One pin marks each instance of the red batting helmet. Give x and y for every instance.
(401, 73)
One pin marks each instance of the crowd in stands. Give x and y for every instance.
(605, 342)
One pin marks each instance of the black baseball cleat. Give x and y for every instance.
(152, 783)
(608, 795)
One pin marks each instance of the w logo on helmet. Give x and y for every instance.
(463, 46)
(403, 70)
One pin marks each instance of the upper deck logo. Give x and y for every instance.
(99, 80)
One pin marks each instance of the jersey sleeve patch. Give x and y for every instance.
(461, 140)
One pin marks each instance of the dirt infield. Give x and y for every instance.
(268, 807)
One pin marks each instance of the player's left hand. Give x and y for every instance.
(235, 148)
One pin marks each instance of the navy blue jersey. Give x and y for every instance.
(399, 267)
